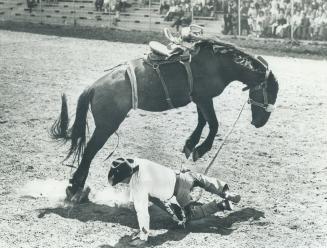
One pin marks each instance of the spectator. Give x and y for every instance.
(197, 9)
(234, 18)
(297, 18)
(281, 20)
(316, 24)
(284, 30)
(259, 23)
(98, 5)
(274, 8)
(228, 25)
(164, 7)
(31, 4)
(304, 27)
(267, 23)
(244, 18)
(323, 27)
(183, 18)
(252, 14)
(124, 5)
(172, 12)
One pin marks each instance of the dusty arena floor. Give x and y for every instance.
(280, 170)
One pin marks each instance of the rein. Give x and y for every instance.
(224, 140)
(220, 147)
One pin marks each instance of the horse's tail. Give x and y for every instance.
(59, 128)
(77, 133)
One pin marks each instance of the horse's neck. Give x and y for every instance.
(250, 79)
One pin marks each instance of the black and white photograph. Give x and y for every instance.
(163, 123)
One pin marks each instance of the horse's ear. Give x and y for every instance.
(131, 161)
(263, 61)
(246, 88)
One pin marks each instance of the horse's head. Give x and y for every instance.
(262, 98)
(262, 85)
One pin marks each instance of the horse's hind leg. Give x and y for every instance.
(209, 115)
(194, 139)
(98, 139)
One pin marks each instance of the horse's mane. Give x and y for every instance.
(238, 56)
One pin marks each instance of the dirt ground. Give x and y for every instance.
(280, 170)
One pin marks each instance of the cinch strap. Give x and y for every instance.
(132, 78)
(164, 86)
(163, 83)
(189, 76)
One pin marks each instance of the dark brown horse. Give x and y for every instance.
(110, 99)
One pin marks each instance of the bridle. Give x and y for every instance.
(263, 85)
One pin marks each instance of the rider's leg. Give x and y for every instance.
(215, 186)
(195, 212)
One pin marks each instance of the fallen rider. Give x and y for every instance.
(161, 184)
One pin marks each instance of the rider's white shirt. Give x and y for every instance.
(154, 180)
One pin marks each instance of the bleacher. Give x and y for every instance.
(8, 6)
(83, 13)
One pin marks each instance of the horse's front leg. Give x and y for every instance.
(193, 140)
(208, 112)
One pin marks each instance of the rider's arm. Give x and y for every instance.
(140, 197)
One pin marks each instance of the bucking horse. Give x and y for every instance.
(169, 77)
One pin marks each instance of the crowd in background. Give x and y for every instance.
(273, 18)
(261, 18)
(177, 11)
(204, 8)
(111, 5)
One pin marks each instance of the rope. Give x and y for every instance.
(115, 147)
(219, 149)
(224, 140)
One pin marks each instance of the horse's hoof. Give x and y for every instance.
(81, 196)
(198, 152)
(196, 156)
(69, 193)
(187, 152)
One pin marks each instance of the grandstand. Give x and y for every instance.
(83, 13)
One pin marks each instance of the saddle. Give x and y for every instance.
(172, 52)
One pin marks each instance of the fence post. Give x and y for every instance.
(239, 17)
(292, 21)
(109, 14)
(41, 13)
(192, 13)
(74, 16)
(150, 16)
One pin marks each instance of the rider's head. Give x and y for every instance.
(121, 171)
